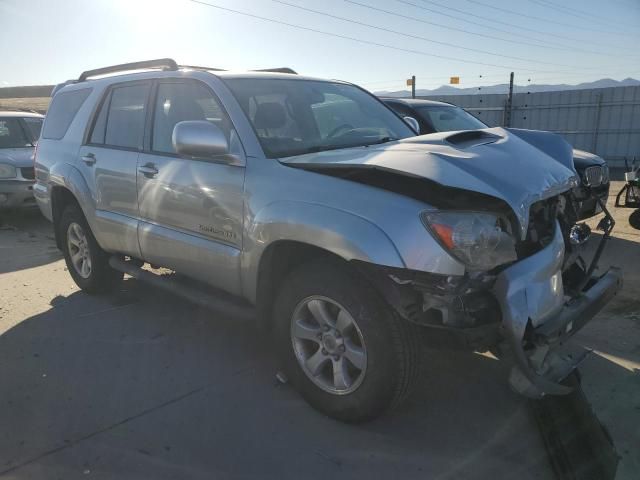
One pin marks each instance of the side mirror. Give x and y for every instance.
(413, 123)
(199, 139)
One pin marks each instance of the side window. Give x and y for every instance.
(97, 135)
(125, 117)
(180, 101)
(62, 111)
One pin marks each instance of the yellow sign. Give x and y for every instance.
(409, 82)
(454, 80)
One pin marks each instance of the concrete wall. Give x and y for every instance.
(601, 120)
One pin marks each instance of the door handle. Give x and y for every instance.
(149, 170)
(89, 159)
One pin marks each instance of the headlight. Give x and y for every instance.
(7, 171)
(479, 240)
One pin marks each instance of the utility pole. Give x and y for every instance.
(413, 86)
(507, 117)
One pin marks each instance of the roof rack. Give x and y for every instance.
(163, 63)
(197, 67)
(278, 70)
(273, 70)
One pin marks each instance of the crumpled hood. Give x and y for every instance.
(18, 157)
(520, 167)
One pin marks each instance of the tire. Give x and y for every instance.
(77, 237)
(385, 348)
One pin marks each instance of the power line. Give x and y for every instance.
(421, 20)
(346, 37)
(581, 14)
(356, 22)
(454, 28)
(513, 12)
(368, 42)
(446, 7)
(371, 7)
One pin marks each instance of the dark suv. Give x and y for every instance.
(435, 116)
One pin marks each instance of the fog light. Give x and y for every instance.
(579, 234)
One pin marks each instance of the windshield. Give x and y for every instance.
(293, 117)
(12, 134)
(449, 118)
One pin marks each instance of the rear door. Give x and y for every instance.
(191, 210)
(109, 164)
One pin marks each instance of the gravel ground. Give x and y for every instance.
(138, 384)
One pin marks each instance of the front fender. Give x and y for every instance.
(344, 234)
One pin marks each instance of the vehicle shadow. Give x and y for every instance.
(141, 385)
(26, 241)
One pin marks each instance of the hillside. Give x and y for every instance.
(504, 88)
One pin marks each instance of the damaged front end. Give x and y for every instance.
(501, 203)
(526, 308)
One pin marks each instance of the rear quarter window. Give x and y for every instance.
(63, 109)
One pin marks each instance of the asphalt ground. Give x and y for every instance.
(139, 384)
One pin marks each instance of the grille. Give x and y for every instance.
(542, 223)
(593, 176)
(28, 173)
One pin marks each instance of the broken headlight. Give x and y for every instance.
(480, 240)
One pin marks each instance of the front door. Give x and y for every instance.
(190, 210)
(108, 163)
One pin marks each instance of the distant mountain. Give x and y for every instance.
(504, 88)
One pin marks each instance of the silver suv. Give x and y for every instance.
(313, 207)
(18, 134)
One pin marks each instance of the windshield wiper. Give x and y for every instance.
(324, 148)
(381, 140)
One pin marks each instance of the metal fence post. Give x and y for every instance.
(596, 128)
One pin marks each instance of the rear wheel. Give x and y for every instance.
(87, 263)
(341, 346)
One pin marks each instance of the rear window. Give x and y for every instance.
(62, 111)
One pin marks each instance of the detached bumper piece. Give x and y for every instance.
(578, 445)
(549, 358)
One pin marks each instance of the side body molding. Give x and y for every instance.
(349, 236)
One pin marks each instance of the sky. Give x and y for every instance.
(375, 43)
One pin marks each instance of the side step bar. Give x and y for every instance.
(188, 290)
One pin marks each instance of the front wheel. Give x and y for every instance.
(87, 263)
(341, 346)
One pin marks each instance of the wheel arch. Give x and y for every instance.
(61, 198)
(288, 234)
(68, 187)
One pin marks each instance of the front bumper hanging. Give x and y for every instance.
(551, 357)
(538, 320)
